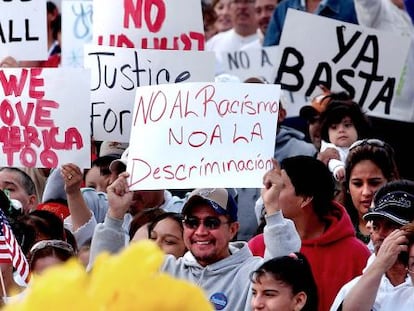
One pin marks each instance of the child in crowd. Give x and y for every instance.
(342, 124)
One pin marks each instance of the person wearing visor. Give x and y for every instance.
(393, 208)
(362, 297)
(213, 261)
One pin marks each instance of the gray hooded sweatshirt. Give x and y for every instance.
(226, 282)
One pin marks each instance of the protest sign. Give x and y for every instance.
(343, 57)
(23, 29)
(194, 135)
(149, 24)
(250, 63)
(44, 117)
(76, 31)
(116, 73)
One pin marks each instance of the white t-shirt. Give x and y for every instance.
(384, 289)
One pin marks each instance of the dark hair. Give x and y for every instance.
(45, 248)
(338, 96)
(295, 272)
(103, 164)
(311, 178)
(24, 179)
(382, 156)
(38, 223)
(51, 7)
(70, 238)
(171, 215)
(143, 217)
(336, 110)
(56, 26)
(208, 13)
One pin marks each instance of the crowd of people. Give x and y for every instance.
(332, 228)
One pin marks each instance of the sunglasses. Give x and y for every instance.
(210, 222)
(371, 142)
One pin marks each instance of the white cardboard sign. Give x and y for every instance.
(116, 73)
(251, 63)
(23, 29)
(193, 135)
(43, 121)
(149, 24)
(345, 57)
(76, 31)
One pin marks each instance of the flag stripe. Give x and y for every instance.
(10, 250)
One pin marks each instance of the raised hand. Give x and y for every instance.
(273, 184)
(119, 196)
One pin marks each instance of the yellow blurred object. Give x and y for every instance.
(127, 281)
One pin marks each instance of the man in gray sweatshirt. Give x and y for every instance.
(220, 267)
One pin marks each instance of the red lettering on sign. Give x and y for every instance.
(12, 85)
(35, 83)
(136, 9)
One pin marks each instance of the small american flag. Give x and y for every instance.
(10, 251)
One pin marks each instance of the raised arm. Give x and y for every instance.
(362, 295)
(280, 235)
(79, 211)
(109, 236)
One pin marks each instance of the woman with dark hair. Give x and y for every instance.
(284, 284)
(167, 231)
(138, 228)
(369, 165)
(36, 226)
(47, 253)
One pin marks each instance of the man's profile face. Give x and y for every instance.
(10, 182)
(209, 245)
(381, 228)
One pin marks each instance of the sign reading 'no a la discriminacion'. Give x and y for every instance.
(149, 24)
(344, 57)
(23, 29)
(116, 73)
(194, 135)
(44, 117)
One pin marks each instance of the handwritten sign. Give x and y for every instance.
(149, 24)
(76, 31)
(43, 121)
(116, 73)
(250, 63)
(23, 29)
(202, 135)
(361, 61)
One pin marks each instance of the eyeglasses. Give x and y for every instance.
(372, 142)
(210, 222)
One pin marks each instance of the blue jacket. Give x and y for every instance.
(291, 142)
(409, 7)
(342, 10)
